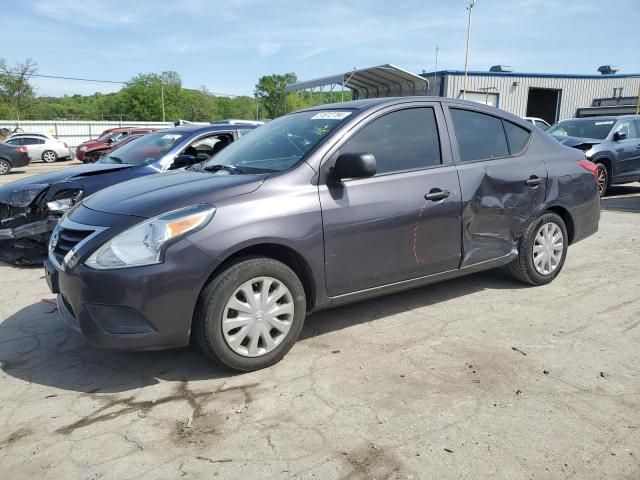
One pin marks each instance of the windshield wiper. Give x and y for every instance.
(116, 159)
(229, 168)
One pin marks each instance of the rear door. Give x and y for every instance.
(35, 147)
(502, 181)
(382, 229)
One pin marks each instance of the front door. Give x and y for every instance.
(502, 184)
(382, 229)
(627, 150)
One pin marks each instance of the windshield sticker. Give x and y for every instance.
(605, 123)
(330, 115)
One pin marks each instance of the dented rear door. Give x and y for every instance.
(501, 186)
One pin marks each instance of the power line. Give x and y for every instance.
(80, 79)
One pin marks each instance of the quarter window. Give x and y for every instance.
(480, 136)
(402, 140)
(516, 136)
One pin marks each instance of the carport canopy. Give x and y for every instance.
(373, 82)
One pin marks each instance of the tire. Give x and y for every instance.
(214, 318)
(5, 166)
(524, 267)
(49, 156)
(604, 178)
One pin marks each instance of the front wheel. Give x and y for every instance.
(250, 314)
(542, 250)
(603, 179)
(5, 167)
(49, 156)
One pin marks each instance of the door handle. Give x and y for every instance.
(534, 181)
(436, 194)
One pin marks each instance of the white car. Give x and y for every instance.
(41, 146)
(538, 122)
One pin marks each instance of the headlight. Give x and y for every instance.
(64, 200)
(23, 196)
(144, 243)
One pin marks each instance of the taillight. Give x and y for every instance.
(65, 145)
(21, 149)
(589, 166)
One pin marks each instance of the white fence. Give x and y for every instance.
(74, 132)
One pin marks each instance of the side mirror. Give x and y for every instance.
(617, 136)
(354, 165)
(110, 140)
(184, 161)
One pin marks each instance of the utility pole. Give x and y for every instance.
(638, 101)
(435, 73)
(466, 52)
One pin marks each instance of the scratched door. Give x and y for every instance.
(405, 221)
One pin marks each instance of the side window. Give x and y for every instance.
(541, 125)
(628, 127)
(402, 140)
(516, 136)
(39, 141)
(480, 136)
(14, 141)
(29, 141)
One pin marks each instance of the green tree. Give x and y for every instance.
(15, 90)
(270, 91)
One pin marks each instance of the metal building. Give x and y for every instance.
(552, 97)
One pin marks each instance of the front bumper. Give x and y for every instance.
(140, 308)
(26, 244)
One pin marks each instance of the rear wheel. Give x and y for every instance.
(542, 250)
(49, 156)
(603, 178)
(251, 314)
(5, 166)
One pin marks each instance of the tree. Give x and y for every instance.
(270, 90)
(15, 89)
(142, 97)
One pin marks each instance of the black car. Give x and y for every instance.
(12, 156)
(315, 209)
(611, 143)
(30, 208)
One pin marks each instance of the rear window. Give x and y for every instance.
(480, 136)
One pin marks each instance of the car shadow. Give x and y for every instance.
(35, 346)
(622, 198)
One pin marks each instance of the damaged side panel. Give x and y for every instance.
(498, 200)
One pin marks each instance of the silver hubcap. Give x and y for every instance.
(49, 156)
(4, 168)
(547, 248)
(257, 317)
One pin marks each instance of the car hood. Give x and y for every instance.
(578, 142)
(93, 144)
(44, 180)
(158, 194)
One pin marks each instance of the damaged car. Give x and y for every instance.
(30, 208)
(612, 143)
(318, 208)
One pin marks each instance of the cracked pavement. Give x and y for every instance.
(478, 377)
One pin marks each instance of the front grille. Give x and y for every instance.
(67, 239)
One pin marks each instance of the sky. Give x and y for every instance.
(226, 45)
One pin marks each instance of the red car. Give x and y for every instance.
(90, 151)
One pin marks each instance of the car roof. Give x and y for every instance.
(208, 128)
(368, 103)
(605, 118)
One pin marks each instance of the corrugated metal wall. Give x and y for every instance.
(74, 132)
(576, 92)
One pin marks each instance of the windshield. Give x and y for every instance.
(582, 128)
(144, 150)
(104, 137)
(281, 143)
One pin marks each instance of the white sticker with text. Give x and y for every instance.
(330, 115)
